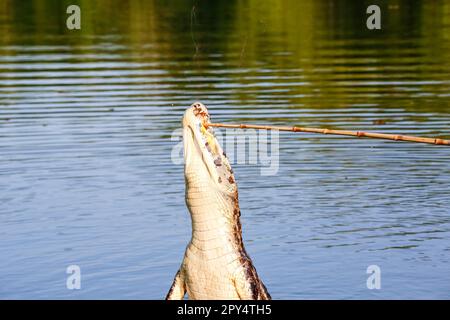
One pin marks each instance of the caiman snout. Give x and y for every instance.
(201, 112)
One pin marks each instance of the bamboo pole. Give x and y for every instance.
(396, 137)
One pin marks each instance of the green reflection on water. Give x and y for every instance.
(322, 47)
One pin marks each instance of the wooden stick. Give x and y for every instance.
(396, 137)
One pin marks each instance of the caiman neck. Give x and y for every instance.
(215, 225)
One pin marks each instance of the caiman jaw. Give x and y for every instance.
(211, 145)
(201, 143)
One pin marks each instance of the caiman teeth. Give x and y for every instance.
(210, 140)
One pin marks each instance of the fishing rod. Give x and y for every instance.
(395, 137)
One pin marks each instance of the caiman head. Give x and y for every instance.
(203, 155)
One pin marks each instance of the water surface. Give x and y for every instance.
(86, 119)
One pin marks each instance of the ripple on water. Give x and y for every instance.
(86, 174)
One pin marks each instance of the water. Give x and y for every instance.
(86, 175)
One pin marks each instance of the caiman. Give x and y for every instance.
(216, 264)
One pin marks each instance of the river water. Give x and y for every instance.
(87, 175)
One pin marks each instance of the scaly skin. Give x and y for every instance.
(215, 265)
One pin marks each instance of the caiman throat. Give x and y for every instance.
(215, 264)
